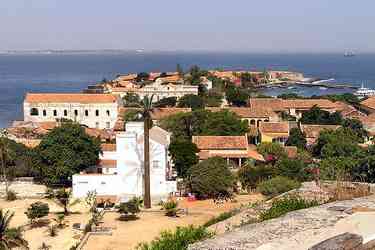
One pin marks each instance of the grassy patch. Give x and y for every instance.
(221, 217)
(177, 240)
(282, 206)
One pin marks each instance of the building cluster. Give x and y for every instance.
(119, 173)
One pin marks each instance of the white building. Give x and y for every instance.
(93, 110)
(121, 167)
(159, 90)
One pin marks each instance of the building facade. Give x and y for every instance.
(92, 110)
(121, 167)
(158, 90)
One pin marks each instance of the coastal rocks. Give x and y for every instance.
(297, 230)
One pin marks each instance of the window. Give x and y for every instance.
(97, 112)
(55, 112)
(76, 112)
(34, 112)
(108, 113)
(155, 164)
(44, 112)
(108, 125)
(97, 124)
(65, 112)
(86, 113)
(252, 122)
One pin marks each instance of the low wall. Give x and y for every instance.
(24, 188)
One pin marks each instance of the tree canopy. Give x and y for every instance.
(66, 151)
(204, 122)
(166, 102)
(211, 178)
(318, 116)
(236, 96)
(296, 138)
(191, 101)
(184, 155)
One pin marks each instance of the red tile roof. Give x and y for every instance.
(278, 104)
(259, 112)
(313, 131)
(69, 98)
(369, 102)
(274, 127)
(220, 142)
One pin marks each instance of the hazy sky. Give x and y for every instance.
(236, 25)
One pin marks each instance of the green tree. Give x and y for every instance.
(293, 169)
(131, 100)
(236, 96)
(10, 237)
(211, 178)
(318, 116)
(203, 122)
(184, 155)
(272, 151)
(195, 75)
(191, 101)
(296, 138)
(142, 76)
(357, 126)
(213, 98)
(132, 115)
(65, 151)
(166, 102)
(337, 143)
(250, 175)
(37, 210)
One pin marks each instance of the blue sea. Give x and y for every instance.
(72, 72)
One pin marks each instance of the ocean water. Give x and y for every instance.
(24, 73)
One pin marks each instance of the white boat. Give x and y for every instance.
(322, 88)
(364, 92)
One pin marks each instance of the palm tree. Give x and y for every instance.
(147, 108)
(10, 237)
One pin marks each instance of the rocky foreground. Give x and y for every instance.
(300, 230)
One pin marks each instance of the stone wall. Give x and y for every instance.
(299, 230)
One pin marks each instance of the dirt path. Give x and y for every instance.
(127, 235)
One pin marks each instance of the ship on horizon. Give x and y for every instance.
(349, 54)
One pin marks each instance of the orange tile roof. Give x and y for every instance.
(107, 163)
(47, 125)
(278, 104)
(274, 127)
(158, 113)
(107, 198)
(369, 102)
(251, 153)
(101, 133)
(259, 112)
(69, 98)
(313, 130)
(174, 78)
(220, 142)
(109, 147)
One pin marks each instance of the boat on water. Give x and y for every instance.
(322, 88)
(364, 92)
(323, 81)
(349, 54)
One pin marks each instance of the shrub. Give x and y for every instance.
(277, 185)
(293, 169)
(178, 240)
(11, 195)
(170, 208)
(37, 210)
(282, 206)
(211, 178)
(221, 217)
(131, 207)
(60, 221)
(250, 176)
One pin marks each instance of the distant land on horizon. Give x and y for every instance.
(192, 51)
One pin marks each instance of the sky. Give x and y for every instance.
(215, 25)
